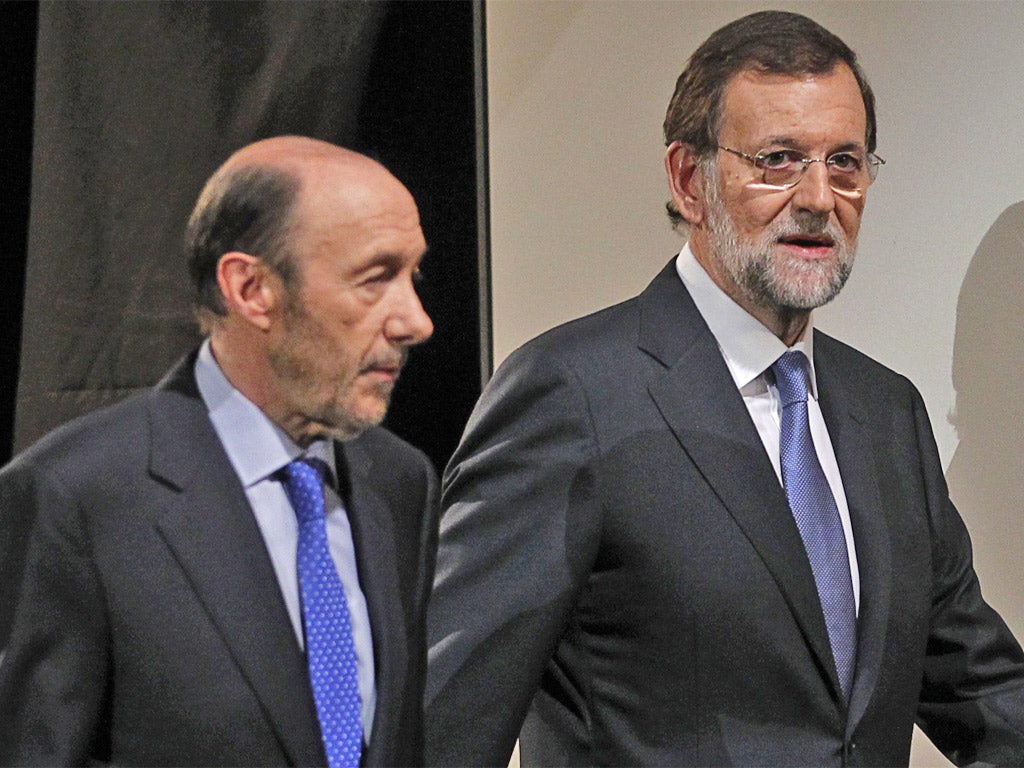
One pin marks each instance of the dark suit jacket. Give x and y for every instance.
(145, 622)
(619, 565)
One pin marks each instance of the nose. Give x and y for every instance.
(408, 323)
(813, 192)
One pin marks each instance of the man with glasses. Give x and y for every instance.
(692, 530)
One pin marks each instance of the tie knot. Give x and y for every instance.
(304, 486)
(791, 378)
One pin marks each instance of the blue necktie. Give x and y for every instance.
(329, 646)
(817, 516)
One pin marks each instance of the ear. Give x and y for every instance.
(684, 181)
(249, 288)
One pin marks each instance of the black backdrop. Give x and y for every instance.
(137, 103)
(18, 24)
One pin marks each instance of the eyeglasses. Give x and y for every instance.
(848, 172)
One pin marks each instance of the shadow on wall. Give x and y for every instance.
(986, 475)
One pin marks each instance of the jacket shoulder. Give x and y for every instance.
(91, 442)
(380, 442)
(857, 368)
(588, 344)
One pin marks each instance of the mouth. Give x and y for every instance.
(808, 246)
(384, 370)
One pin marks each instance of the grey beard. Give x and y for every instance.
(792, 285)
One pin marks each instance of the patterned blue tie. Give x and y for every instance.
(817, 516)
(329, 646)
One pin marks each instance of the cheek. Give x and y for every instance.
(756, 221)
(753, 211)
(347, 330)
(849, 217)
(356, 343)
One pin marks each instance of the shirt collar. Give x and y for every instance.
(255, 445)
(748, 347)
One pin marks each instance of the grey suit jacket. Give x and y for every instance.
(142, 619)
(618, 565)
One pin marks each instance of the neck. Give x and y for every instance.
(248, 372)
(786, 323)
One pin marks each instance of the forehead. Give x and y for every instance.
(811, 109)
(359, 217)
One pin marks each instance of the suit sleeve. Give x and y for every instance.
(972, 696)
(54, 668)
(412, 749)
(520, 520)
(427, 547)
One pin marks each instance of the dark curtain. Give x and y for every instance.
(137, 103)
(18, 24)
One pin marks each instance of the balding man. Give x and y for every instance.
(232, 568)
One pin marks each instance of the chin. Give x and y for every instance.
(343, 422)
(808, 289)
(370, 415)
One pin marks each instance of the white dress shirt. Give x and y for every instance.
(750, 349)
(258, 449)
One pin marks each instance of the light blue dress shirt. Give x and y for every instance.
(258, 449)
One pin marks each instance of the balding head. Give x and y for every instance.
(253, 203)
(304, 257)
(300, 155)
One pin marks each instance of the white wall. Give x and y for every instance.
(577, 94)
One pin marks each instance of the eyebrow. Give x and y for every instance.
(392, 260)
(794, 143)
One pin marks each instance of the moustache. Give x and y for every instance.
(818, 228)
(393, 362)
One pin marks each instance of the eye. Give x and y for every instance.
(374, 281)
(376, 276)
(779, 159)
(847, 162)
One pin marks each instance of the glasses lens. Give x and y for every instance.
(847, 171)
(781, 167)
(848, 182)
(874, 163)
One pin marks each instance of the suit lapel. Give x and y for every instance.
(698, 399)
(847, 419)
(376, 560)
(215, 539)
